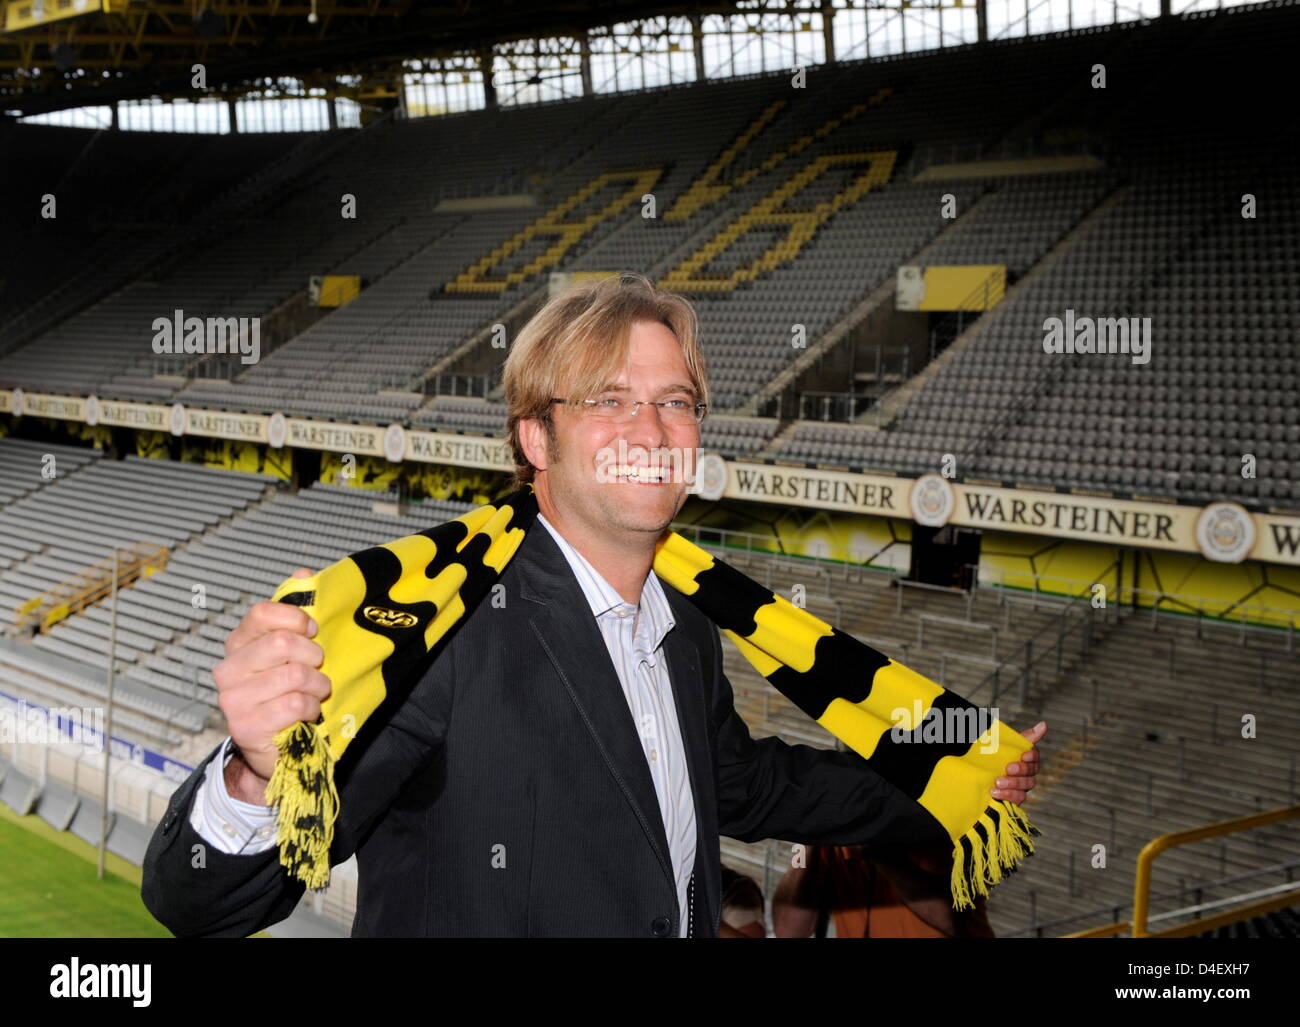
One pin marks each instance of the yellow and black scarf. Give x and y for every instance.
(382, 612)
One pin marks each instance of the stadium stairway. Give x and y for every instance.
(1097, 764)
(893, 403)
(1093, 762)
(839, 333)
(1157, 747)
(1280, 924)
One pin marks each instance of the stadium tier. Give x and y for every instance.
(1145, 214)
(231, 539)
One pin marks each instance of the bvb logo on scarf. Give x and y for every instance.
(381, 613)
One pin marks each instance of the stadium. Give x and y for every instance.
(1001, 310)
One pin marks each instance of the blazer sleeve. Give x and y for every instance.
(194, 890)
(772, 789)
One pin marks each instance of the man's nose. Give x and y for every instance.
(646, 421)
(644, 432)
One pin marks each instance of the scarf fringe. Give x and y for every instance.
(981, 858)
(303, 788)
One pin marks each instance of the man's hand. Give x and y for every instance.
(267, 682)
(1019, 777)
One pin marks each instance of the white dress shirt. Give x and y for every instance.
(634, 636)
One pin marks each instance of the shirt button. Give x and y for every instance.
(654, 754)
(228, 829)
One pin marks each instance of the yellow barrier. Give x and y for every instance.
(1142, 884)
(338, 290)
(90, 586)
(964, 287)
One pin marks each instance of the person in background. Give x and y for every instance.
(742, 906)
(873, 893)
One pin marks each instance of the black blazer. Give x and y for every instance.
(510, 794)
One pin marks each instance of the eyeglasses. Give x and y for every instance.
(671, 411)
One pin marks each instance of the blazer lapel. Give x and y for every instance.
(567, 631)
(684, 671)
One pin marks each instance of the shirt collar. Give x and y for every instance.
(656, 616)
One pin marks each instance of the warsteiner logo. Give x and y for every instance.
(387, 618)
(1225, 532)
(932, 500)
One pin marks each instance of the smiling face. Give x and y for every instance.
(603, 475)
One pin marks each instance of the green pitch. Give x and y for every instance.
(49, 888)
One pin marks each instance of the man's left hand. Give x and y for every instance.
(1020, 776)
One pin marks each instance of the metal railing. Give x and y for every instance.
(840, 407)
(905, 650)
(1279, 898)
(1116, 910)
(1042, 656)
(1056, 592)
(1275, 621)
(934, 618)
(842, 557)
(1274, 664)
(969, 310)
(892, 364)
(451, 384)
(978, 661)
(904, 585)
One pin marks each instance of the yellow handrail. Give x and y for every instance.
(1153, 848)
(1142, 882)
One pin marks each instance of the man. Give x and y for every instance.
(569, 761)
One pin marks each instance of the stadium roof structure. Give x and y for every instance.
(57, 54)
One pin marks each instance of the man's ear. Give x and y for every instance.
(532, 439)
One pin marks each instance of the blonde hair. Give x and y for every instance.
(580, 337)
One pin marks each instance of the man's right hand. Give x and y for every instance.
(268, 681)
